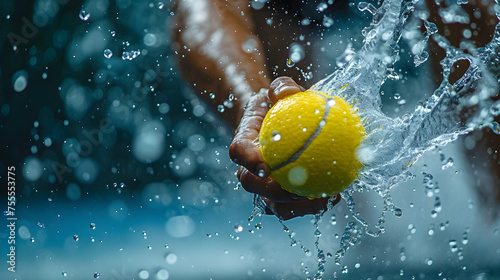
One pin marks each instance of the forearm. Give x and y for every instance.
(210, 39)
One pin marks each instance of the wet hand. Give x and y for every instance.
(253, 172)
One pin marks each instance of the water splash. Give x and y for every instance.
(321, 254)
(346, 56)
(394, 144)
(454, 13)
(130, 55)
(368, 7)
(259, 207)
(418, 49)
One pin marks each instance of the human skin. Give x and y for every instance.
(244, 151)
(208, 36)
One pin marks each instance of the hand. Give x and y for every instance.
(253, 172)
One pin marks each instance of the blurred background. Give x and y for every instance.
(123, 173)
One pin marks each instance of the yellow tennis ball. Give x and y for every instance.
(309, 141)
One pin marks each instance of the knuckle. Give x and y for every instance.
(233, 151)
(238, 152)
(246, 181)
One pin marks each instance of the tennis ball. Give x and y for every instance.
(309, 141)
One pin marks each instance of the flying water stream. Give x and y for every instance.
(394, 144)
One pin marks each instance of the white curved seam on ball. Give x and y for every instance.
(311, 138)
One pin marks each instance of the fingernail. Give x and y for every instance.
(263, 170)
(286, 87)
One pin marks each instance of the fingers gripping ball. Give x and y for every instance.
(309, 141)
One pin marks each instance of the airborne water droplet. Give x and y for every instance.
(428, 184)
(20, 80)
(238, 228)
(296, 52)
(447, 163)
(431, 231)
(437, 204)
(130, 55)
(421, 58)
(363, 6)
(261, 173)
(333, 220)
(454, 13)
(250, 45)
(495, 109)
(433, 214)
(327, 21)
(84, 15)
(453, 245)
(228, 103)
(398, 212)
(344, 269)
(257, 4)
(276, 136)
(321, 7)
(412, 228)
(108, 53)
(305, 22)
(393, 75)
